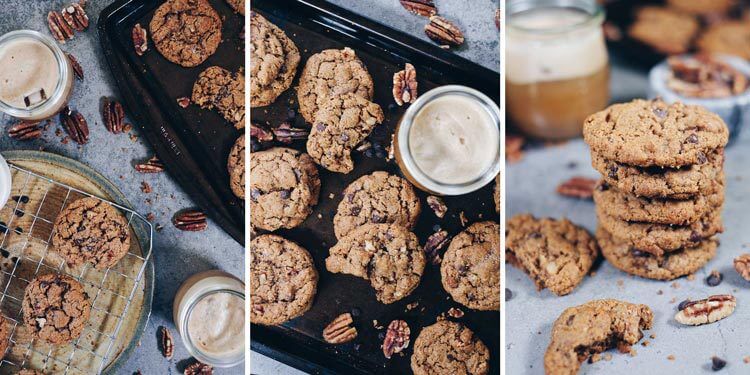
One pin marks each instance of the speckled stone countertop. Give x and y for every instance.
(176, 254)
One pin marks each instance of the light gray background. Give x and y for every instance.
(476, 20)
(176, 254)
(530, 187)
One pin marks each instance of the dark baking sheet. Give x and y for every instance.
(314, 26)
(193, 143)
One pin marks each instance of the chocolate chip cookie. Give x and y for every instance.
(731, 38)
(449, 348)
(387, 255)
(89, 230)
(273, 61)
(331, 72)
(659, 182)
(592, 328)
(186, 32)
(223, 90)
(706, 7)
(470, 269)
(55, 308)
(652, 133)
(658, 267)
(284, 186)
(653, 210)
(664, 29)
(556, 254)
(342, 123)
(378, 198)
(283, 280)
(237, 5)
(236, 167)
(5, 333)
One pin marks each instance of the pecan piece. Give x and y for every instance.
(742, 265)
(457, 313)
(444, 32)
(77, 69)
(75, 125)
(438, 206)
(707, 310)
(260, 133)
(183, 102)
(497, 18)
(396, 338)
(285, 133)
(434, 244)
(190, 220)
(24, 131)
(199, 368)
(60, 29)
(578, 187)
(340, 330)
(514, 147)
(113, 115)
(75, 17)
(140, 39)
(167, 344)
(153, 165)
(424, 8)
(405, 85)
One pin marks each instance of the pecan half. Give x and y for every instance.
(153, 165)
(260, 133)
(457, 313)
(167, 344)
(704, 76)
(60, 29)
(285, 133)
(24, 131)
(420, 7)
(190, 220)
(434, 244)
(742, 265)
(77, 69)
(707, 310)
(75, 125)
(75, 17)
(405, 85)
(578, 187)
(444, 32)
(340, 330)
(437, 205)
(183, 102)
(140, 39)
(113, 115)
(396, 338)
(199, 368)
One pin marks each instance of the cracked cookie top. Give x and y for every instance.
(341, 124)
(5, 333)
(186, 32)
(378, 198)
(273, 61)
(219, 88)
(236, 167)
(449, 348)
(284, 186)
(89, 230)
(283, 280)
(470, 269)
(387, 255)
(55, 308)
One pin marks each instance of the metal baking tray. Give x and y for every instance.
(314, 26)
(192, 142)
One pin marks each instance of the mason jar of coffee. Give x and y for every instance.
(557, 67)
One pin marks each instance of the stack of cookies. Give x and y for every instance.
(659, 202)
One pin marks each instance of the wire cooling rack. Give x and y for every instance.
(26, 228)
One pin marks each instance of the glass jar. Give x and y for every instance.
(209, 313)
(557, 67)
(5, 182)
(448, 141)
(37, 78)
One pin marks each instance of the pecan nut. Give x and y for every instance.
(340, 330)
(703, 76)
(260, 133)
(75, 125)
(190, 220)
(167, 344)
(434, 244)
(437, 205)
(424, 8)
(77, 69)
(456, 313)
(405, 85)
(199, 368)
(140, 39)
(578, 187)
(60, 29)
(285, 133)
(444, 32)
(396, 338)
(113, 115)
(742, 265)
(24, 131)
(707, 310)
(183, 102)
(153, 165)
(75, 17)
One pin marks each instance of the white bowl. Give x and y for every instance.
(5, 182)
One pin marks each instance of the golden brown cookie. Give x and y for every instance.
(449, 348)
(664, 29)
(237, 5)
(223, 90)
(705, 7)
(731, 38)
(273, 61)
(5, 334)
(55, 308)
(236, 167)
(186, 32)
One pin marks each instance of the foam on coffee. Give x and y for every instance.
(29, 72)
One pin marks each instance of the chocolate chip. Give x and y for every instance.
(695, 237)
(356, 210)
(356, 312)
(285, 194)
(375, 218)
(291, 115)
(19, 213)
(18, 230)
(508, 294)
(254, 194)
(683, 305)
(714, 278)
(344, 137)
(320, 126)
(4, 253)
(660, 113)
(535, 235)
(638, 253)
(717, 363)
(702, 157)
(692, 139)
(612, 171)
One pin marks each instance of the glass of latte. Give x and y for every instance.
(557, 67)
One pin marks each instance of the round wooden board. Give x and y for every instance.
(109, 291)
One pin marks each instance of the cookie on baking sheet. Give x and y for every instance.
(658, 182)
(652, 133)
(470, 270)
(556, 254)
(273, 61)
(731, 38)
(283, 280)
(449, 348)
(377, 198)
(660, 238)
(90, 230)
(331, 72)
(186, 32)
(237, 5)
(387, 255)
(284, 186)
(496, 194)
(592, 328)
(341, 124)
(664, 29)
(706, 7)
(653, 210)
(55, 308)
(223, 90)
(236, 167)
(665, 267)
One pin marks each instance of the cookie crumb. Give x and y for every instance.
(646, 343)
(596, 357)
(671, 357)
(691, 277)
(675, 285)
(608, 357)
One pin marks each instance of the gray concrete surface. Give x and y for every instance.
(530, 187)
(482, 46)
(176, 254)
